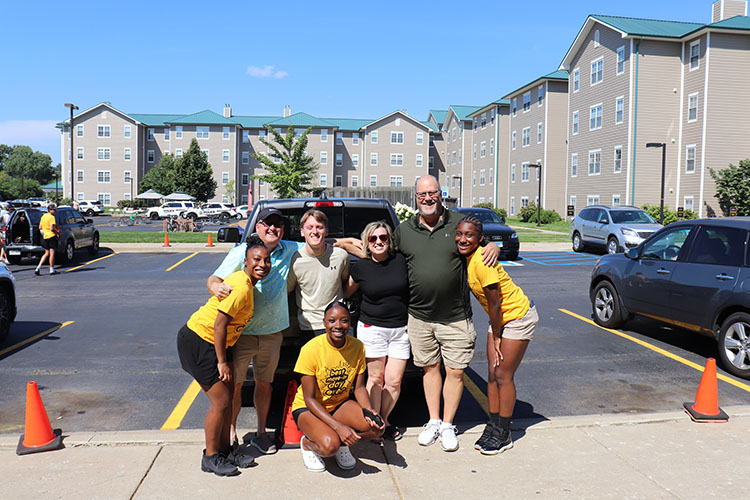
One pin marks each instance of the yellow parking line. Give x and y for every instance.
(183, 260)
(37, 336)
(477, 393)
(183, 405)
(91, 262)
(661, 351)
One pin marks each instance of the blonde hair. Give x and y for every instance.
(369, 229)
(315, 214)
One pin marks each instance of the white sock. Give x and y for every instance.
(435, 421)
(445, 425)
(39, 266)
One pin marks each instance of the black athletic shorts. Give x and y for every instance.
(50, 243)
(198, 357)
(299, 411)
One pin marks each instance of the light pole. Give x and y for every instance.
(539, 202)
(72, 108)
(460, 183)
(663, 147)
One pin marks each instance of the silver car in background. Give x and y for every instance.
(614, 228)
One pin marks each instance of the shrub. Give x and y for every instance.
(670, 216)
(404, 212)
(499, 211)
(529, 214)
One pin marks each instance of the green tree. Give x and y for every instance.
(24, 163)
(12, 188)
(733, 187)
(160, 177)
(292, 175)
(230, 191)
(194, 175)
(670, 216)
(5, 151)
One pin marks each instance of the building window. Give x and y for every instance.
(225, 155)
(419, 161)
(574, 164)
(79, 130)
(595, 114)
(620, 60)
(693, 107)
(431, 161)
(126, 155)
(618, 159)
(453, 134)
(513, 173)
(324, 158)
(339, 138)
(525, 172)
(539, 129)
(573, 203)
(262, 135)
(150, 134)
(178, 132)
(492, 147)
(355, 138)
(339, 159)
(482, 177)
(615, 200)
(127, 196)
(420, 138)
(484, 121)
(323, 180)
(575, 122)
(127, 131)
(79, 175)
(695, 55)
(526, 101)
(225, 133)
(512, 205)
(576, 79)
(178, 153)
(127, 177)
(396, 181)
(79, 153)
(373, 159)
(324, 135)
(103, 176)
(103, 131)
(201, 132)
(473, 178)
(596, 71)
(103, 154)
(166, 133)
(596, 38)
(515, 106)
(475, 151)
(397, 137)
(690, 159)
(483, 149)
(261, 182)
(80, 196)
(397, 160)
(298, 133)
(355, 160)
(105, 199)
(374, 137)
(373, 181)
(453, 158)
(245, 179)
(526, 137)
(619, 109)
(150, 156)
(595, 162)
(245, 157)
(688, 203)
(592, 199)
(540, 95)
(338, 181)
(245, 136)
(513, 140)
(524, 201)
(492, 176)
(355, 181)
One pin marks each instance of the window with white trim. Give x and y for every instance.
(525, 171)
(595, 117)
(615, 200)
(512, 205)
(690, 159)
(575, 122)
(298, 133)
(687, 203)
(355, 181)
(127, 196)
(420, 138)
(483, 121)
(619, 109)
(127, 132)
(526, 137)
(538, 170)
(397, 137)
(374, 137)
(150, 156)
(695, 55)
(418, 161)
(573, 202)
(453, 158)
(178, 153)
(596, 38)
(618, 159)
(103, 154)
(492, 147)
(620, 60)
(338, 181)
(150, 134)
(324, 158)
(482, 177)
(513, 140)
(79, 175)
(597, 70)
(483, 149)
(540, 95)
(355, 138)
(515, 106)
(574, 164)
(475, 151)
(245, 157)
(355, 160)
(513, 173)
(262, 134)
(524, 201)
(592, 199)
(339, 138)
(225, 155)
(178, 132)
(576, 79)
(539, 133)
(104, 176)
(324, 135)
(396, 181)
(397, 160)
(323, 180)
(127, 177)
(225, 133)
(693, 107)
(245, 136)
(80, 196)
(526, 101)
(595, 162)
(166, 133)
(103, 131)
(79, 153)
(373, 159)
(79, 130)
(339, 159)
(473, 178)
(201, 132)
(245, 179)
(373, 181)
(104, 198)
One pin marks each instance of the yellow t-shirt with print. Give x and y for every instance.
(238, 305)
(334, 369)
(513, 302)
(45, 224)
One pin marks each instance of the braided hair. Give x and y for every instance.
(474, 221)
(464, 291)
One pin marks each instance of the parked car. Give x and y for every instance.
(23, 239)
(8, 307)
(614, 228)
(495, 230)
(694, 275)
(182, 209)
(242, 210)
(38, 201)
(221, 210)
(90, 208)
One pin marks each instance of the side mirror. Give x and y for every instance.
(632, 253)
(228, 235)
(604, 221)
(502, 218)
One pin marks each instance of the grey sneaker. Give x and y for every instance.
(488, 429)
(218, 464)
(263, 443)
(235, 456)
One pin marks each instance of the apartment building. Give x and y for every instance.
(489, 152)
(537, 134)
(638, 81)
(456, 156)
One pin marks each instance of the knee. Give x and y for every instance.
(375, 379)
(454, 375)
(491, 375)
(329, 445)
(504, 378)
(263, 385)
(222, 404)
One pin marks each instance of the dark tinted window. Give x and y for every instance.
(631, 216)
(666, 246)
(343, 222)
(587, 214)
(485, 217)
(34, 215)
(719, 245)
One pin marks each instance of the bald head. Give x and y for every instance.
(429, 200)
(427, 183)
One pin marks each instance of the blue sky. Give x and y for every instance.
(336, 59)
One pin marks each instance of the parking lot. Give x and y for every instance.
(100, 341)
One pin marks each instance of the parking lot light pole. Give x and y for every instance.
(663, 147)
(72, 108)
(460, 180)
(539, 201)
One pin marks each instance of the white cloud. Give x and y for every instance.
(40, 135)
(266, 72)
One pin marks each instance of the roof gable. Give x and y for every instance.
(101, 104)
(402, 115)
(154, 120)
(438, 115)
(559, 75)
(462, 112)
(206, 117)
(301, 120)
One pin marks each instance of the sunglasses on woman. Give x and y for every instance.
(382, 237)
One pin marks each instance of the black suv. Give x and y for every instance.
(23, 239)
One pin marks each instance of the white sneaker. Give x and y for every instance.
(312, 460)
(344, 458)
(430, 433)
(448, 439)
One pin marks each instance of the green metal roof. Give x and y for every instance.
(462, 112)
(301, 120)
(206, 117)
(153, 120)
(439, 115)
(736, 23)
(348, 123)
(56, 184)
(555, 75)
(501, 101)
(648, 27)
(254, 121)
(429, 125)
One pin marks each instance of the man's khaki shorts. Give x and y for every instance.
(263, 350)
(451, 342)
(521, 328)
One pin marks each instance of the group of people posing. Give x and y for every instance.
(415, 284)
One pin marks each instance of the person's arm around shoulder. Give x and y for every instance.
(353, 246)
(490, 254)
(231, 263)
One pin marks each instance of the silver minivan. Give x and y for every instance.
(614, 228)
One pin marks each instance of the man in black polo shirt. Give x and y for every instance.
(440, 326)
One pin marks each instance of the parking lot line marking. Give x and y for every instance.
(183, 405)
(661, 351)
(91, 262)
(183, 260)
(477, 393)
(32, 339)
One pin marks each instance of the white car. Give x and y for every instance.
(90, 208)
(242, 210)
(182, 209)
(221, 210)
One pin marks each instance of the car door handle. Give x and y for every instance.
(662, 271)
(724, 277)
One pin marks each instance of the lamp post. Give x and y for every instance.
(663, 147)
(72, 108)
(539, 202)
(460, 183)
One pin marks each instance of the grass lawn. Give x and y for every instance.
(531, 236)
(153, 237)
(561, 226)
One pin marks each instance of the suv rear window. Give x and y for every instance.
(343, 222)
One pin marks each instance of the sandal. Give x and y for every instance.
(392, 433)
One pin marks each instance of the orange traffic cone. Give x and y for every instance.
(38, 434)
(290, 433)
(210, 241)
(166, 240)
(706, 405)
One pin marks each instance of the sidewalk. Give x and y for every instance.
(603, 456)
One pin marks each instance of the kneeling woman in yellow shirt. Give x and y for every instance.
(330, 364)
(513, 320)
(205, 348)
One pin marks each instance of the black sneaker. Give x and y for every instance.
(237, 457)
(263, 444)
(485, 436)
(218, 464)
(36, 271)
(498, 442)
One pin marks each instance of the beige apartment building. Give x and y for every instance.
(457, 141)
(537, 136)
(489, 151)
(638, 81)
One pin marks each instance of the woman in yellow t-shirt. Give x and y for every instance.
(513, 320)
(204, 345)
(329, 365)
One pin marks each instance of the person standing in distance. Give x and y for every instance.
(48, 228)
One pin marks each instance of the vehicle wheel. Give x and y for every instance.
(14, 259)
(154, 216)
(513, 256)
(182, 215)
(6, 314)
(89, 213)
(734, 344)
(94, 248)
(192, 216)
(223, 216)
(612, 245)
(577, 242)
(606, 306)
(69, 251)
(238, 216)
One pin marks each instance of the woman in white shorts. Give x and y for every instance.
(382, 277)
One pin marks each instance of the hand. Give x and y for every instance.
(221, 290)
(347, 435)
(498, 352)
(225, 372)
(490, 253)
(372, 423)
